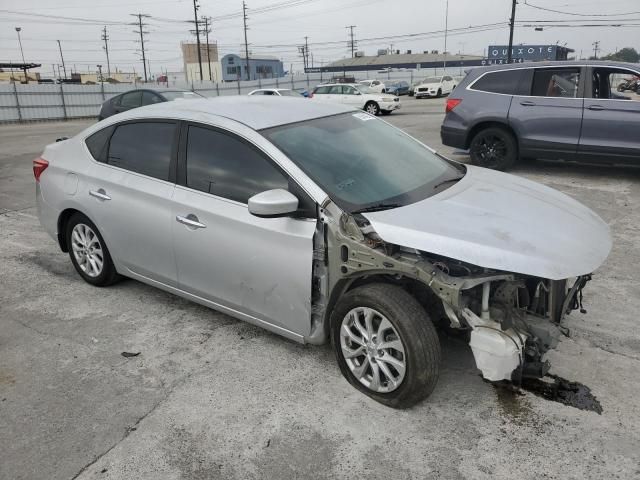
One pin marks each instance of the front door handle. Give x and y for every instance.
(100, 194)
(527, 103)
(595, 107)
(190, 221)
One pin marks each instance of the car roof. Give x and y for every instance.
(257, 112)
(556, 63)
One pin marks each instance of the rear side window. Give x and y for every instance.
(143, 147)
(556, 82)
(97, 143)
(131, 100)
(506, 82)
(225, 166)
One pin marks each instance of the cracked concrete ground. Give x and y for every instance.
(210, 397)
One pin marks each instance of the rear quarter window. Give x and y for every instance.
(321, 90)
(507, 82)
(97, 143)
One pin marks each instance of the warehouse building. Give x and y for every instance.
(234, 67)
(498, 54)
(408, 60)
(208, 56)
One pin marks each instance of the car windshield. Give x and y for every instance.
(362, 162)
(176, 94)
(432, 80)
(289, 93)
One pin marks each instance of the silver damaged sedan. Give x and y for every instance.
(322, 223)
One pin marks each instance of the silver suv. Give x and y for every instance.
(318, 222)
(551, 110)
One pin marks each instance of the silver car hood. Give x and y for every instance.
(500, 221)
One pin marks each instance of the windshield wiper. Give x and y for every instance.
(449, 180)
(378, 207)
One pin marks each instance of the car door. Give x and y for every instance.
(128, 196)
(259, 267)
(351, 96)
(128, 101)
(611, 120)
(547, 120)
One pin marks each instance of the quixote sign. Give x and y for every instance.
(522, 52)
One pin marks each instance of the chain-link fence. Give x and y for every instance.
(22, 103)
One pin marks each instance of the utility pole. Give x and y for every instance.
(351, 43)
(142, 33)
(105, 37)
(596, 47)
(62, 58)
(99, 73)
(301, 49)
(512, 23)
(206, 30)
(306, 52)
(446, 31)
(195, 17)
(246, 45)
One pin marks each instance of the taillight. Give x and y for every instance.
(39, 166)
(452, 103)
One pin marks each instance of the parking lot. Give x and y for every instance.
(212, 397)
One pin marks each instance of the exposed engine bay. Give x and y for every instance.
(512, 319)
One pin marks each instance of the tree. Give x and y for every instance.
(626, 54)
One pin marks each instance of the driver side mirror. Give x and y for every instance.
(273, 203)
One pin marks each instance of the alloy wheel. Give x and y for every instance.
(87, 250)
(372, 349)
(491, 150)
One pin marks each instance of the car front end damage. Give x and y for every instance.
(512, 319)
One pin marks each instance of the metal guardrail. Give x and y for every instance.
(30, 102)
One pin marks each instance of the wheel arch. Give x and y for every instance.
(490, 124)
(63, 219)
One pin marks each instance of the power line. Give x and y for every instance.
(580, 14)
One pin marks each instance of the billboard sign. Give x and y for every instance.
(522, 53)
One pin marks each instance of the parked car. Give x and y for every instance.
(141, 97)
(553, 110)
(358, 96)
(278, 92)
(434, 87)
(398, 88)
(334, 226)
(375, 85)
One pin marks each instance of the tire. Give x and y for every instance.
(373, 108)
(409, 323)
(80, 226)
(493, 147)
(439, 93)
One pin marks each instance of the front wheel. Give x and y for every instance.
(439, 93)
(493, 147)
(372, 108)
(386, 345)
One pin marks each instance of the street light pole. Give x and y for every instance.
(446, 31)
(26, 77)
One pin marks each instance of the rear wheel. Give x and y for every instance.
(493, 147)
(372, 108)
(88, 252)
(386, 345)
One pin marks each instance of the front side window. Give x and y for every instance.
(131, 100)
(363, 163)
(347, 90)
(556, 82)
(143, 147)
(336, 90)
(149, 98)
(606, 82)
(225, 166)
(506, 82)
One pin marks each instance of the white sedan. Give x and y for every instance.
(358, 96)
(279, 92)
(435, 87)
(374, 85)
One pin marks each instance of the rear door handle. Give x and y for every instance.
(527, 103)
(100, 194)
(595, 107)
(190, 221)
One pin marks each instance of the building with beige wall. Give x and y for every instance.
(211, 69)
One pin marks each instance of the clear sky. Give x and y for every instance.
(278, 30)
